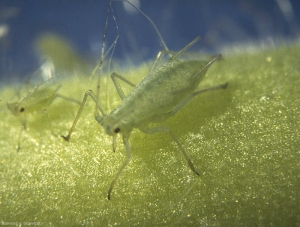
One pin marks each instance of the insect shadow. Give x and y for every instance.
(160, 95)
(38, 99)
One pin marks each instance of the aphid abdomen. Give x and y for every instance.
(161, 91)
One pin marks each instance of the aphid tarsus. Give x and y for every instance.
(158, 96)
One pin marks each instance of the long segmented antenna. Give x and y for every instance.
(33, 89)
(103, 54)
(161, 40)
(113, 46)
(96, 114)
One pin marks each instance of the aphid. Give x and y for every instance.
(157, 97)
(37, 99)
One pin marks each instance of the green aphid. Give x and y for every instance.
(160, 95)
(37, 99)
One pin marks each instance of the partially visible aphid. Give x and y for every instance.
(37, 99)
(157, 97)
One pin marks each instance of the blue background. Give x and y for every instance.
(220, 23)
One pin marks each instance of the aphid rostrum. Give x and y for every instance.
(160, 95)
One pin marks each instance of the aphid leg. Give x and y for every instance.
(166, 129)
(46, 113)
(173, 112)
(114, 145)
(187, 99)
(114, 77)
(19, 139)
(125, 163)
(190, 163)
(97, 116)
(56, 95)
(23, 127)
(67, 98)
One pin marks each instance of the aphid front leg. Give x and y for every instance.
(125, 163)
(23, 127)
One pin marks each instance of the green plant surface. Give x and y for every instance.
(244, 142)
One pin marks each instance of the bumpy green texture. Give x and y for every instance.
(244, 142)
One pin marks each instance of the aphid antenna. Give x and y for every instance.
(161, 40)
(100, 65)
(102, 57)
(111, 50)
(34, 88)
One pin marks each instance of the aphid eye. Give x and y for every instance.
(117, 130)
(22, 109)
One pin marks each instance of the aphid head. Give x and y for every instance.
(15, 108)
(111, 125)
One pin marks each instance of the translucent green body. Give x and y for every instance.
(158, 93)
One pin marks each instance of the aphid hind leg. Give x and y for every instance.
(183, 102)
(122, 167)
(166, 129)
(187, 99)
(114, 77)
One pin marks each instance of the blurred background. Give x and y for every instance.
(71, 31)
